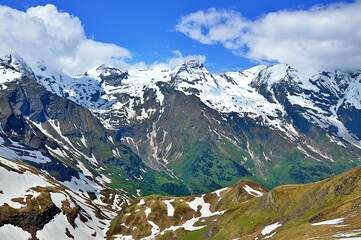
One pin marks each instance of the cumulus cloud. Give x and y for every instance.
(213, 26)
(43, 33)
(322, 37)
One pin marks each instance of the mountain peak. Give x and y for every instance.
(191, 67)
(275, 73)
(254, 70)
(193, 72)
(15, 63)
(12, 68)
(194, 63)
(106, 72)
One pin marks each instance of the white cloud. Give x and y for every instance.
(214, 26)
(43, 33)
(57, 38)
(323, 37)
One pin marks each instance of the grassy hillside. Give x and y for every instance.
(249, 211)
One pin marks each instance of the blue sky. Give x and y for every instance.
(148, 28)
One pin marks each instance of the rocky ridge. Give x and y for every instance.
(244, 123)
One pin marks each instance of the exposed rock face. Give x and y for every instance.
(70, 136)
(204, 129)
(173, 132)
(31, 220)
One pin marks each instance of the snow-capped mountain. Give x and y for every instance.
(125, 133)
(140, 106)
(263, 93)
(60, 168)
(323, 99)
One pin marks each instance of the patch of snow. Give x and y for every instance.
(10, 232)
(57, 152)
(14, 184)
(19, 185)
(252, 191)
(270, 228)
(155, 231)
(329, 222)
(111, 139)
(116, 203)
(84, 169)
(8, 75)
(350, 238)
(12, 164)
(170, 208)
(122, 237)
(141, 202)
(55, 229)
(93, 160)
(269, 236)
(103, 179)
(57, 199)
(205, 207)
(83, 141)
(16, 151)
(347, 234)
(147, 211)
(189, 225)
(82, 184)
(218, 192)
(124, 225)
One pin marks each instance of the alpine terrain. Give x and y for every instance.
(99, 154)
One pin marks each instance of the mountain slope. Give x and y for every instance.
(35, 206)
(66, 132)
(100, 139)
(323, 210)
(268, 123)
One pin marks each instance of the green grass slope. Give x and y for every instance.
(247, 210)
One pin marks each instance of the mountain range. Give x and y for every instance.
(83, 147)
